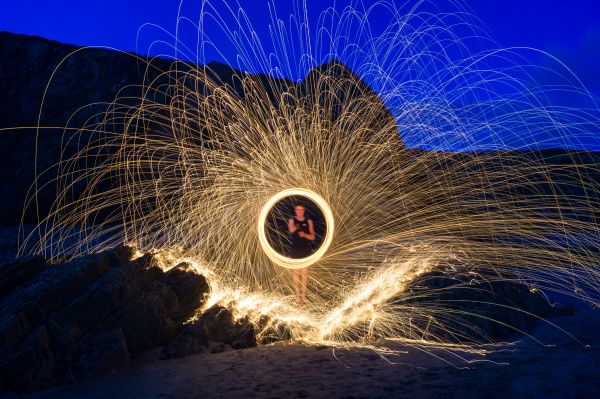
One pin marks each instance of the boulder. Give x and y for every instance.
(271, 331)
(215, 330)
(192, 339)
(221, 326)
(105, 352)
(93, 315)
(471, 307)
(14, 273)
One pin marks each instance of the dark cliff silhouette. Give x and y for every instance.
(90, 79)
(82, 82)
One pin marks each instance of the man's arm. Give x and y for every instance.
(311, 230)
(292, 226)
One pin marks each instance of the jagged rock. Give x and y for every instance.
(472, 308)
(157, 315)
(92, 316)
(106, 352)
(272, 331)
(192, 339)
(221, 326)
(30, 366)
(214, 330)
(13, 273)
(26, 307)
(188, 291)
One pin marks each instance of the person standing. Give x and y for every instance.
(302, 231)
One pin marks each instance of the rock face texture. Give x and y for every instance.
(100, 313)
(214, 329)
(61, 323)
(469, 308)
(27, 66)
(69, 79)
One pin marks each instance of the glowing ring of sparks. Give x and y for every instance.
(284, 261)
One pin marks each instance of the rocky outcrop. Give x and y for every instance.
(32, 69)
(89, 79)
(338, 92)
(76, 86)
(450, 305)
(97, 314)
(65, 322)
(271, 330)
(215, 330)
(13, 273)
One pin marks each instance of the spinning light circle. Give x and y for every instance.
(285, 261)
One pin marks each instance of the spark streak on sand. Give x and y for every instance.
(364, 304)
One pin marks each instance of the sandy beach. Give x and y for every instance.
(558, 366)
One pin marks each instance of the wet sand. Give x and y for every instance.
(527, 369)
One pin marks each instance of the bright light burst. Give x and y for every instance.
(262, 229)
(407, 131)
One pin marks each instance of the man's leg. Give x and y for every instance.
(304, 282)
(297, 284)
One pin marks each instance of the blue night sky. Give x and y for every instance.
(570, 30)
